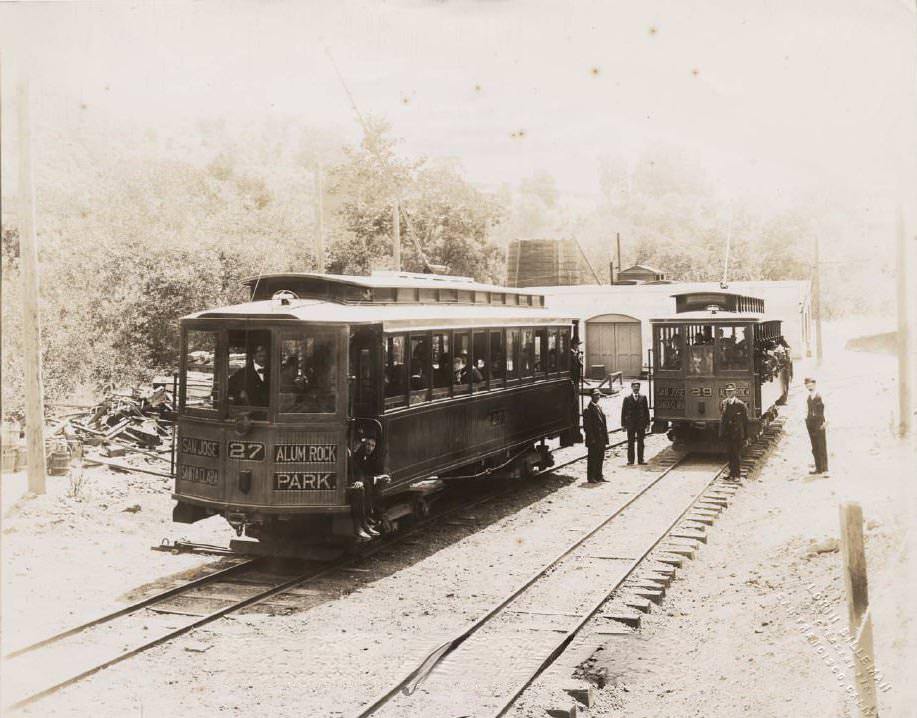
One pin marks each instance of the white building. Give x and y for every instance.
(614, 319)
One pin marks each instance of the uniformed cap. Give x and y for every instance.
(575, 342)
(809, 380)
(730, 387)
(596, 392)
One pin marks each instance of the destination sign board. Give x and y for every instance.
(197, 474)
(669, 397)
(305, 481)
(305, 453)
(199, 447)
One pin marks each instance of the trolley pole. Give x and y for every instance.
(396, 235)
(904, 369)
(319, 220)
(816, 291)
(31, 327)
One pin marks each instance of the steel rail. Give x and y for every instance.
(132, 608)
(251, 600)
(209, 618)
(408, 684)
(571, 634)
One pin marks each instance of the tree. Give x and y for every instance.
(446, 221)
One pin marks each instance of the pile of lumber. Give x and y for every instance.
(126, 422)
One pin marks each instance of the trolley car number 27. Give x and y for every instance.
(245, 450)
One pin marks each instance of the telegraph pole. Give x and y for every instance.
(816, 309)
(618, 235)
(396, 235)
(31, 328)
(319, 220)
(904, 377)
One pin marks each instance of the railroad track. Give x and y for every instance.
(224, 592)
(485, 669)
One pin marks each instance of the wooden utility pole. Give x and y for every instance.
(816, 309)
(396, 235)
(904, 369)
(319, 220)
(31, 327)
(853, 556)
(620, 266)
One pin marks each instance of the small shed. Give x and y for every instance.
(639, 274)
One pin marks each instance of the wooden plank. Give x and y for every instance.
(855, 579)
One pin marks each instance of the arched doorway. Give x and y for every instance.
(614, 341)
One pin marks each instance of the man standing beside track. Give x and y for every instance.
(635, 417)
(815, 423)
(596, 428)
(733, 420)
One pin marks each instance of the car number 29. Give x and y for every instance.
(245, 450)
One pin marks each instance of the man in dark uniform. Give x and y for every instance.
(733, 420)
(363, 490)
(576, 362)
(815, 423)
(596, 438)
(635, 417)
(250, 385)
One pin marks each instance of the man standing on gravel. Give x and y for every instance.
(815, 423)
(635, 417)
(733, 420)
(596, 428)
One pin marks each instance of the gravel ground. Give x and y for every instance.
(750, 626)
(726, 641)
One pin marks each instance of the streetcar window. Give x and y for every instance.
(512, 353)
(668, 348)
(699, 352)
(732, 348)
(497, 358)
(552, 350)
(442, 365)
(563, 350)
(249, 371)
(541, 350)
(462, 370)
(200, 391)
(396, 384)
(526, 351)
(479, 360)
(308, 373)
(420, 368)
(362, 371)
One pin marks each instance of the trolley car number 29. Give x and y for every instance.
(245, 450)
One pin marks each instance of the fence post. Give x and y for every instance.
(853, 557)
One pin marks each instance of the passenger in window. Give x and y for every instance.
(250, 385)
(462, 373)
(419, 367)
(671, 352)
(443, 372)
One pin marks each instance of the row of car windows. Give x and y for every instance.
(432, 365)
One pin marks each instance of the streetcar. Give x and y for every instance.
(714, 339)
(448, 377)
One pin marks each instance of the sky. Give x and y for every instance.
(770, 96)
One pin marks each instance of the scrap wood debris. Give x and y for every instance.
(126, 422)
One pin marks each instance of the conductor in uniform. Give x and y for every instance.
(635, 417)
(596, 427)
(733, 420)
(576, 362)
(815, 423)
(250, 384)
